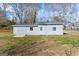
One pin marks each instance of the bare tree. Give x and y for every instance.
(58, 19)
(19, 11)
(31, 15)
(25, 14)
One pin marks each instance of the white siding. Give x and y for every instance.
(34, 32)
(46, 30)
(21, 31)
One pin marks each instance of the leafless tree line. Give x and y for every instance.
(26, 13)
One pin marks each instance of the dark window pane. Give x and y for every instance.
(54, 28)
(40, 28)
(31, 28)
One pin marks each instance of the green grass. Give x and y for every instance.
(68, 40)
(9, 49)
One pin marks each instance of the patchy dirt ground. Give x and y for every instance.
(2, 44)
(46, 47)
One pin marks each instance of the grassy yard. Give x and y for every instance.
(37, 45)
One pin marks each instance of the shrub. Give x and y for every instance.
(9, 49)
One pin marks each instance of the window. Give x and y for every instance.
(31, 28)
(41, 28)
(54, 28)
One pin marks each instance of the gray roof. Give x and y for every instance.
(54, 23)
(35, 25)
(24, 25)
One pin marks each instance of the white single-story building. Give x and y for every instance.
(38, 29)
